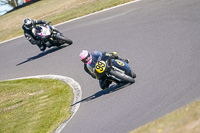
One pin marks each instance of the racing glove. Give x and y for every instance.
(126, 60)
(48, 22)
(114, 55)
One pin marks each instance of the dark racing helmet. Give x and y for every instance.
(85, 56)
(28, 24)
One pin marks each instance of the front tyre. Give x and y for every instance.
(64, 39)
(122, 77)
(133, 74)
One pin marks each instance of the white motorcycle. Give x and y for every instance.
(50, 36)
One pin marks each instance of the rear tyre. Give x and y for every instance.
(123, 77)
(63, 38)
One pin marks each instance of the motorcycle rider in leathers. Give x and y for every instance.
(86, 58)
(28, 25)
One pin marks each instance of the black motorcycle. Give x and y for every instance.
(49, 36)
(115, 70)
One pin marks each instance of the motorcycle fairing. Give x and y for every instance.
(121, 65)
(100, 66)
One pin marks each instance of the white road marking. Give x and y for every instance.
(76, 87)
(76, 90)
(81, 17)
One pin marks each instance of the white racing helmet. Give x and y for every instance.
(28, 23)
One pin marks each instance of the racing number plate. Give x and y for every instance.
(100, 66)
(120, 62)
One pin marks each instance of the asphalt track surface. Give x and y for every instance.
(161, 39)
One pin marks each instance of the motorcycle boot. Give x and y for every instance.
(41, 47)
(104, 84)
(48, 44)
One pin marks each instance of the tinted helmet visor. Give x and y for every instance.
(86, 59)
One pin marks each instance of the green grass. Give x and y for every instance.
(33, 105)
(40, 105)
(55, 11)
(183, 120)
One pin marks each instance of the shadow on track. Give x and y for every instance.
(111, 89)
(43, 54)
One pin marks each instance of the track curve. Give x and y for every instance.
(160, 37)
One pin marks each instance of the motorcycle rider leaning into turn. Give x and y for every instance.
(28, 25)
(86, 58)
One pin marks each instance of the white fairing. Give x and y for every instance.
(45, 31)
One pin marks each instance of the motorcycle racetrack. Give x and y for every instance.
(159, 37)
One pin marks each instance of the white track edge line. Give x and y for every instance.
(80, 17)
(76, 90)
(76, 87)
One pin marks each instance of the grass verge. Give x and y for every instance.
(56, 11)
(33, 105)
(183, 120)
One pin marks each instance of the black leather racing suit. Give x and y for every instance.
(104, 83)
(29, 35)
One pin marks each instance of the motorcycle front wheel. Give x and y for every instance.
(123, 77)
(66, 40)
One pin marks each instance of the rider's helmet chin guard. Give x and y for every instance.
(85, 56)
(28, 24)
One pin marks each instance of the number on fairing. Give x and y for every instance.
(120, 62)
(100, 66)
